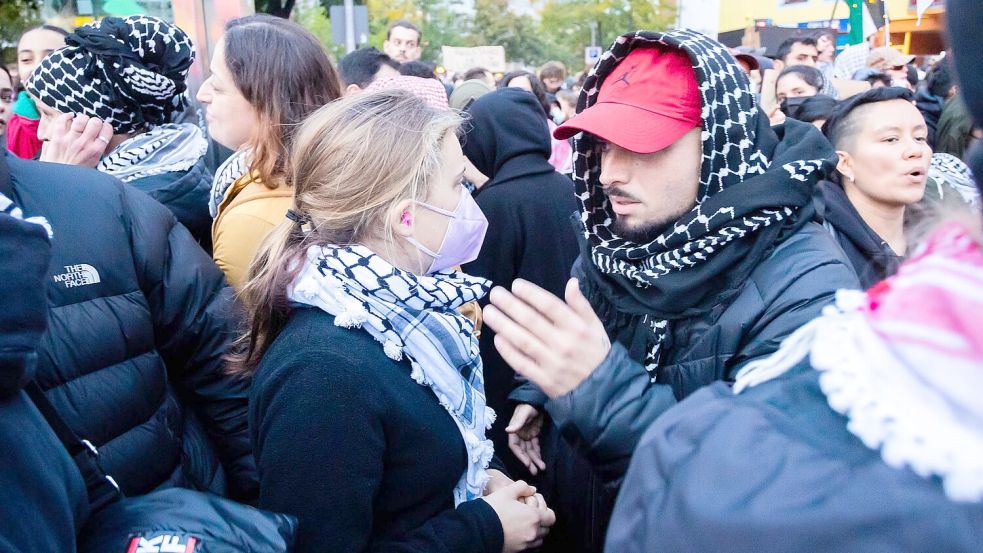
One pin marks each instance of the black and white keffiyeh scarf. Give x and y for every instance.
(164, 149)
(415, 316)
(231, 170)
(755, 188)
(128, 71)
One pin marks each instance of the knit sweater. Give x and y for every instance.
(365, 457)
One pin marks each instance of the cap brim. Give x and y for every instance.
(632, 128)
(751, 61)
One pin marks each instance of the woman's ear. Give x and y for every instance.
(845, 165)
(401, 218)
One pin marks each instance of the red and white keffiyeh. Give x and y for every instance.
(428, 90)
(904, 362)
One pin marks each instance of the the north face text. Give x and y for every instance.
(78, 275)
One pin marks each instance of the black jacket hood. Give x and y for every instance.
(507, 136)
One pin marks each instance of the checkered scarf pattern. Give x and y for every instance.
(8, 207)
(130, 72)
(415, 316)
(731, 155)
(428, 90)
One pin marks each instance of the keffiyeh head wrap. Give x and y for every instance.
(754, 187)
(130, 72)
(415, 316)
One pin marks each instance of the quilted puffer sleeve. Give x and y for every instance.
(195, 320)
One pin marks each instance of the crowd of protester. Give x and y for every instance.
(690, 299)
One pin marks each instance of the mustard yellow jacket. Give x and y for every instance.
(245, 217)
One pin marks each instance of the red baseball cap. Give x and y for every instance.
(648, 101)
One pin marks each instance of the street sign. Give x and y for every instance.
(591, 55)
(337, 15)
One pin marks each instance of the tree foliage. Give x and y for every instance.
(561, 30)
(17, 16)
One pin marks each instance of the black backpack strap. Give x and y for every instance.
(101, 487)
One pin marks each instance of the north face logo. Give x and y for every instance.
(164, 543)
(78, 275)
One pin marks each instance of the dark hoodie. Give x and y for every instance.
(931, 107)
(870, 255)
(528, 206)
(40, 486)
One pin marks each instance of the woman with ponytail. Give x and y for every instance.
(368, 410)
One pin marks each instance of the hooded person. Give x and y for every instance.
(862, 433)
(107, 100)
(700, 254)
(881, 140)
(528, 206)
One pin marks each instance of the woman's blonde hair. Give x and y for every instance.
(352, 161)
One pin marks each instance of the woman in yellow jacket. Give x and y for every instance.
(267, 75)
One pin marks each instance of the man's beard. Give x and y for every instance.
(640, 233)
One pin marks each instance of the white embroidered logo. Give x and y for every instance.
(78, 275)
(165, 543)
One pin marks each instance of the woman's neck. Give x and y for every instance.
(395, 254)
(887, 220)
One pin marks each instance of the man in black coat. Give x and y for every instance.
(701, 251)
(140, 319)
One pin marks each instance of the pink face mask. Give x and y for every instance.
(464, 236)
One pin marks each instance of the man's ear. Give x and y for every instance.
(352, 89)
(778, 65)
(845, 164)
(401, 219)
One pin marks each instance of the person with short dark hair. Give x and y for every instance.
(417, 68)
(932, 95)
(403, 41)
(481, 74)
(882, 143)
(359, 68)
(798, 50)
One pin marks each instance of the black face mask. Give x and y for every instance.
(790, 106)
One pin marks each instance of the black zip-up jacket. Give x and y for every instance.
(871, 257)
(139, 320)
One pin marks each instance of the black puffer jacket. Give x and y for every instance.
(139, 320)
(608, 412)
(185, 193)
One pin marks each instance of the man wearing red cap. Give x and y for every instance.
(701, 253)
